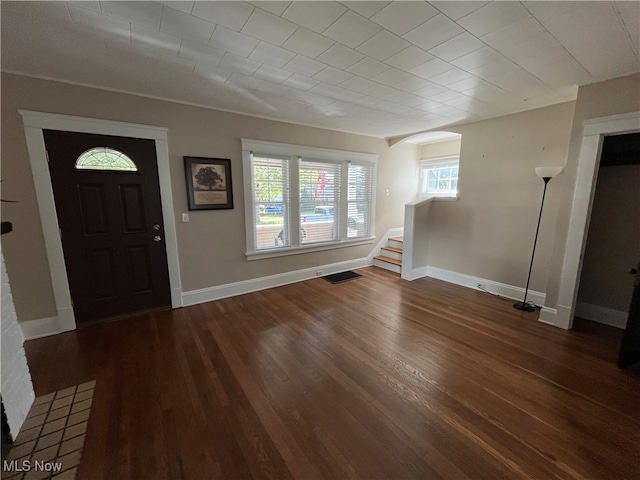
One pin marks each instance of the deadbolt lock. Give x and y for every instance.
(156, 227)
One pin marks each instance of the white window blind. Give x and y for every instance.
(319, 201)
(360, 200)
(271, 209)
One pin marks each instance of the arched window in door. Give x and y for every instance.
(105, 158)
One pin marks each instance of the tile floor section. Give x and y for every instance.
(50, 442)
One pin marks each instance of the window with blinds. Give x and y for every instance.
(270, 181)
(360, 188)
(302, 197)
(319, 201)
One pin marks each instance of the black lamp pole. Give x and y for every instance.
(523, 305)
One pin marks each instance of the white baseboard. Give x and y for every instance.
(42, 327)
(502, 289)
(548, 316)
(194, 297)
(606, 316)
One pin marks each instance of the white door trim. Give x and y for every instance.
(34, 123)
(594, 131)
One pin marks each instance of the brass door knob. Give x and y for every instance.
(157, 238)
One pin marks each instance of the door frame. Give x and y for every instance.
(34, 123)
(594, 131)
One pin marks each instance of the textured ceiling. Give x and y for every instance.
(378, 68)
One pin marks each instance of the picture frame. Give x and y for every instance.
(209, 184)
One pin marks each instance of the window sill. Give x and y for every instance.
(283, 252)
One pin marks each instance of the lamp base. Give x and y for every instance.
(524, 306)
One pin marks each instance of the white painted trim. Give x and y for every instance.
(588, 161)
(548, 316)
(316, 153)
(502, 289)
(34, 123)
(42, 327)
(392, 232)
(604, 315)
(286, 251)
(195, 297)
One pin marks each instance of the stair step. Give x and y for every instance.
(397, 239)
(393, 249)
(393, 261)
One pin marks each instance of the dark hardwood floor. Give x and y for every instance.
(372, 378)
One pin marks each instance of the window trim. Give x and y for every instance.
(434, 163)
(297, 152)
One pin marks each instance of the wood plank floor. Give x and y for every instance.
(372, 378)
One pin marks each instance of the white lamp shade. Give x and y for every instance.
(548, 172)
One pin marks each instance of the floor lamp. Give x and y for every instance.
(546, 174)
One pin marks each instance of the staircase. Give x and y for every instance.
(390, 256)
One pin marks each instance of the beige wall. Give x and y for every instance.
(603, 99)
(440, 149)
(489, 231)
(211, 247)
(613, 243)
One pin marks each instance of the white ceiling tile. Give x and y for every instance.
(215, 74)
(434, 32)
(143, 13)
(492, 17)
(392, 77)
(238, 64)
(184, 7)
(364, 8)
(379, 91)
(383, 45)
(332, 75)
(304, 66)
(186, 26)
(270, 54)
(325, 89)
(466, 84)
(358, 84)
(273, 88)
(477, 58)
(368, 67)
(316, 16)
(300, 82)
(351, 29)
(547, 10)
(400, 17)
(340, 56)
(200, 53)
(150, 38)
(514, 33)
(457, 47)
(307, 43)
(430, 90)
(450, 76)
(277, 8)
(268, 28)
(97, 22)
(412, 84)
(457, 10)
(243, 81)
(409, 58)
(431, 68)
(497, 67)
(446, 96)
(629, 13)
(234, 42)
(232, 15)
(273, 74)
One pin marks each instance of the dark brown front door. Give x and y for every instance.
(111, 223)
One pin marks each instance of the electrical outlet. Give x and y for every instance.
(318, 273)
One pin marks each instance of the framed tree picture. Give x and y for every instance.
(209, 184)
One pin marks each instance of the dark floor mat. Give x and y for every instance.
(341, 277)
